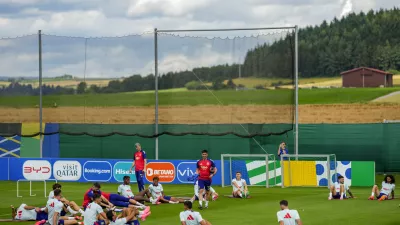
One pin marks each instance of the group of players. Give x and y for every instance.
(99, 207)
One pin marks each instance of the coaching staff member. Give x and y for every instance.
(139, 162)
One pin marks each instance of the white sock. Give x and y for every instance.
(71, 218)
(206, 203)
(139, 204)
(42, 209)
(73, 212)
(200, 202)
(341, 195)
(240, 194)
(330, 194)
(81, 211)
(372, 194)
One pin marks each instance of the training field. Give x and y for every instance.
(312, 204)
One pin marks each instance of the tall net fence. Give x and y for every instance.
(207, 85)
(219, 83)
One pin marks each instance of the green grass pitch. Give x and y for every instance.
(312, 204)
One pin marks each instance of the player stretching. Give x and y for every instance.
(88, 197)
(387, 189)
(194, 178)
(139, 162)
(126, 191)
(32, 213)
(206, 170)
(94, 212)
(189, 217)
(239, 187)
(69, 206)
(121, 201)
(157, 193)
(128, 216)
(288, 216)
(54, 207)
(338, 190)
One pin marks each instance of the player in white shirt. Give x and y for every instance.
(239, 185)
(69, 206)
(157, 193)
(189, 217)
(94, 212)
(338, 190)
(54, 207)
(288, 216)
(128, 215)
(126, 191)
(26, 212)
(388, 186)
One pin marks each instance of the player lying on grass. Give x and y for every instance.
(121, 201)
(69, 206)
(214, 194)
(126, 191)
(157, 192)
(239, 185)
(88, 197)
(338, 190)
(288, 216)
(128, 216)
(54, 207)
(388, 186)
(32, 213)
(190, 217)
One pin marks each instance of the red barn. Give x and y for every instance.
(366, 77)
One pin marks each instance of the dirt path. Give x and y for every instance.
(392, 97)
(350, 113)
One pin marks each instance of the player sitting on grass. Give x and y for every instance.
(121, 201)
(157, 192)
(190, 217)
(88, 197)
(69, 206)
(288, 216)
(128, 216)
(388, 187)
(194, 178)
(32, 213)
(54, 207)
(239, 187)
(93, 212)
(126, 191)
(338, 190)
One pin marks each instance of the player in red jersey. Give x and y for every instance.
(139, 162)
(206, 170)
(88, 197)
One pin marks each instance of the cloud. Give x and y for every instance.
(135, 54)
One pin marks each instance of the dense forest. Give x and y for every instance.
(366, 39)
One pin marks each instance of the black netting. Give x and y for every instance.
(100, 87)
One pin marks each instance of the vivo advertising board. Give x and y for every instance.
(101, 170)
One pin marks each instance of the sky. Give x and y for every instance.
(115, 38)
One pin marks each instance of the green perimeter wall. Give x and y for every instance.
(350, 142)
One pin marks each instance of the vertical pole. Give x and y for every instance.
(222, 171)
(296, 72)
(40, 94)
(267, 173)
(328, 166)
(156, 87)
(282, 172)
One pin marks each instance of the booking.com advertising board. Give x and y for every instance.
(91, 170)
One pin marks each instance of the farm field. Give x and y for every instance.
(226, 97)
(312, 204)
